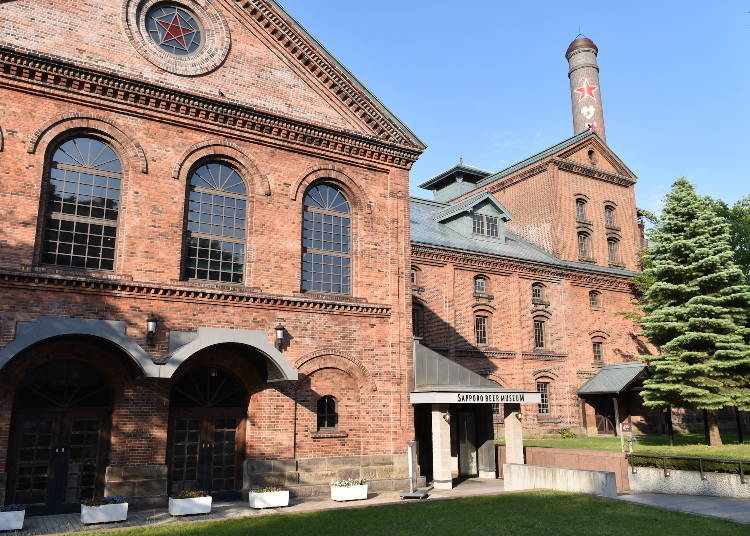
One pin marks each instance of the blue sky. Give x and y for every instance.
(488, 80)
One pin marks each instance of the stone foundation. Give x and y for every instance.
(143, 485)
(308, 477)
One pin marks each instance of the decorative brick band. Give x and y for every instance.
(239, 297)
(48, 73)
(593, 173)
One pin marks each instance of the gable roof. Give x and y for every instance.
(468, 204)
(427, 230)
(614, 379)
(458, 168)
(376, 110)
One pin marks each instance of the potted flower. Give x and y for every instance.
(188, 503)
(11, 516)
(352, 489)
(268, 498)
(106, 510)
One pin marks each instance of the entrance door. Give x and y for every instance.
(206, 447)
(467, 444)
(59, 437)
(204, 452)
(604, 413)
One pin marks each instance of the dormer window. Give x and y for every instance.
(486, 225)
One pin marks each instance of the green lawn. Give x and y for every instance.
(685, 445)
(519, 514)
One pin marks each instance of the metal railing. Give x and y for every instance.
(739, 462)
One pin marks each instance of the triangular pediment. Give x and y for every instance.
(485, 201)
(592, 152)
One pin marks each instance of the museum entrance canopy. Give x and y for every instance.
(615, 379)
(438, 380)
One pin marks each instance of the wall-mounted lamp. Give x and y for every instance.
(151, 323)
(447, 417)
(279, 340)
(519, 416)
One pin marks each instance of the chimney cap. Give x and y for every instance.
(581, 42)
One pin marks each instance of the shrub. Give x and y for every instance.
(567, 433)
(115, 499)
(13, 508)
(190, 495)
(349, 482)
(269, 489)
(690, 464)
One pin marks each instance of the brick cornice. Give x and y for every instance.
(481, 262)
(47, 74)
(593, 173)
(240, 297)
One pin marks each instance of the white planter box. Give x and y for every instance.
(12, 520)
(349, 493)
(106, 513)
(268, 499)
(189, 507)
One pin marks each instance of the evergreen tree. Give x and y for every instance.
(695, 311)
(738, 217)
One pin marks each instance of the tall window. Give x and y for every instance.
(414, 276)
(417, 320)
(613, 250)
(609, 216)
(480, 285)
(595, 299)
(580, 210)
(539, 333)
(537, 292)
(543, 388)
(326, 249)
(584, 246)
(83, 205)
(598, 351)
(328, 418)
(216, 223)
(480, 329)
(486, 225)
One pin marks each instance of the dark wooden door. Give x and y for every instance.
(604, 413)
(57, 460)
(206, 451)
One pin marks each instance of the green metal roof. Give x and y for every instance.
(614, 379)
(463, 168)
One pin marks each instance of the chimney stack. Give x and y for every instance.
(584, 87)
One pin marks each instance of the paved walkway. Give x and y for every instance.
(66, 523)
(724, 508)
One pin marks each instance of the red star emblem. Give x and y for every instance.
(587, 90)
(175, 31)
(591, 126)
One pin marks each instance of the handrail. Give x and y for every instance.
(739, 461)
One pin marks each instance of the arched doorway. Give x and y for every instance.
(59, 437)
(208, 406)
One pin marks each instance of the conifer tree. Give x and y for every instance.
(695, 307)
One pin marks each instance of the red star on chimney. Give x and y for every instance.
(587, 90)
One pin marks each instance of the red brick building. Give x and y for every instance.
(204, 256)
(523, 275)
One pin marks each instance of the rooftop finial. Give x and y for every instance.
(460, 160)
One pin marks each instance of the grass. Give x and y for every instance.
(518, 514)
(685, 445)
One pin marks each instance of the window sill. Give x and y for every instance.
(616, 265)
(612, 228)
(484, 295)
(332, 434)
(584, 222)
(589, 260)
(597, 364)
(539, 301)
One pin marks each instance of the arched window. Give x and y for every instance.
(542, 386)
(584, 246)
(592, 157)
(595, 298)
(481, 329)
(216, 222)
(609, 216)
(537, 293)
(480, 285)
(417, 320)
(539, 333)
(580, 210)
(326, 241)
(613, 250)
(83, 205)
(328, 418)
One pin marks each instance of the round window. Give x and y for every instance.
(174, 29)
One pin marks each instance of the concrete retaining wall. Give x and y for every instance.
(522, 477)
(652, 480)
(588, 460)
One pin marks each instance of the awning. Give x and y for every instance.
(614, 379)
(438, 380)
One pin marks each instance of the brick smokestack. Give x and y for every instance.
(586, 98)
